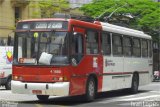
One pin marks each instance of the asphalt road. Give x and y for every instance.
(148, 96)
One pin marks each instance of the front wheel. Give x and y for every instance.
(43, 97)
(90, 90)
(8, 84)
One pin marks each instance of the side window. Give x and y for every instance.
(150, 48)
(127, 46)
(106, 43)
(144, 48)
(136, 48)
(92, 42)
(117, 44)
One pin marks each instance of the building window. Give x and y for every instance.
(92, 42)
(106, 43)
(3, 41)
(17, 14)
(127, 46)
(117, 44)
(136, 47)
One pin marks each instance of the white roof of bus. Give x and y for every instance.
(124, 31)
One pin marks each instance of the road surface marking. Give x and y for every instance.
(155, 91)
(140, 98)
(38, 105)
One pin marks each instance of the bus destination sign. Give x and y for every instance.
(42, 25)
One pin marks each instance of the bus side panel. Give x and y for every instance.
(140, 65)
(118, 72)
(112, 73)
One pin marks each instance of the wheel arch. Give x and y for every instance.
(136, 73)
(9, 76)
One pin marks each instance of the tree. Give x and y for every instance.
(49, 7)
(141, 14)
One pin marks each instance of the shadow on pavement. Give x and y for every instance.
(118, 93)
(78, 100)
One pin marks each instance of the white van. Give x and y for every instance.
(6, 59)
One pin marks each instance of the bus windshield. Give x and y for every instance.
(41, 48)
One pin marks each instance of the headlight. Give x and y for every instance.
(18, 78)
(59, 79)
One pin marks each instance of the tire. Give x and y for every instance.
(42, 97)
(135, 84)
(90, 90)
(8, 84)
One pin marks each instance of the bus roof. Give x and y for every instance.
(104, 26)
(43, 19)
(71, 21)
(123, 30)
(85, 24)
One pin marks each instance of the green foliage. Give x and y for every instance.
(49, 7)
(145, 13)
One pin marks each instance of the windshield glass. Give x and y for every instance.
(48, 48)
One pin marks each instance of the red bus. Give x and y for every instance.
(68, 57)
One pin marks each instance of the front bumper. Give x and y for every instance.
(56, 89)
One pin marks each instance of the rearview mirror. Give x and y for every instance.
(73, 62)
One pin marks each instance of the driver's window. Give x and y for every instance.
(79, 44)
(77, 47)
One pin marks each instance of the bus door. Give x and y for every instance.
(77, 60)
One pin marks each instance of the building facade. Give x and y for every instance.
(13, 10)
(78, 3)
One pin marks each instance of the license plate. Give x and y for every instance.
(37, 91)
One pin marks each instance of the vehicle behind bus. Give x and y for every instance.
(6, 56)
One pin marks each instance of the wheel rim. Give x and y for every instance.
(91, 88)
(9, 84)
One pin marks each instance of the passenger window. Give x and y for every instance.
(117, 44)
(92, 42)
(127, 46)
(136, 48)
(106, 43)
(144, 48)
(150, 48)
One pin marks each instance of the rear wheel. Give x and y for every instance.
(135, 84)
(43, 97)
(8, 84)
(90, 89)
